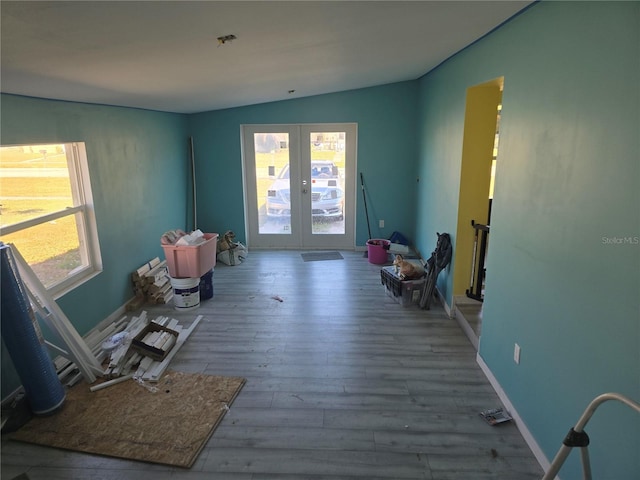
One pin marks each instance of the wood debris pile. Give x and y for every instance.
(107, 351)
(120, 358)
(152, 284)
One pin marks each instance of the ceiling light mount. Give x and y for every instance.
(226, 39)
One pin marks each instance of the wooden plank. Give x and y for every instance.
(156, 273)
(156, 371)
(142, 270)
(109, 383)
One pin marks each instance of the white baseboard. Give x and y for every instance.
(522, 427)
(466, 328)
(444, 303)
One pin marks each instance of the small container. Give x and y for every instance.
(405, 292)
(206, 286)
(186, 293)
(378, 251)
(191, 261)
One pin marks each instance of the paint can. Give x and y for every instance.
(186, 293)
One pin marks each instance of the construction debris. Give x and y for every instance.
(106, 351)
(151, 283)
(115, 346)
(71, 345)
(155, 341)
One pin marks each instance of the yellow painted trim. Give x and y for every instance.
(475, 175)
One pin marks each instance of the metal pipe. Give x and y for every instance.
(193, 183)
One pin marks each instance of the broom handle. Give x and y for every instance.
(364, 198)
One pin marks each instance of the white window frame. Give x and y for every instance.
(84, 210)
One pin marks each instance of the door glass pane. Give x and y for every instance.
(273, 183)
(327, 182)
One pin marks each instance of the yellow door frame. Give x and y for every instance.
(480, 124)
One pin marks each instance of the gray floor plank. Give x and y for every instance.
(294, 437)
(342, 383)
(319, 462)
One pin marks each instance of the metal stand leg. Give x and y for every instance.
(577, 437)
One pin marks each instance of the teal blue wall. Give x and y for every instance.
(387, 154)
(138, 167)
(567, 187)
(567, 184)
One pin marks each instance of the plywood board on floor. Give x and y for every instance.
(129, 421)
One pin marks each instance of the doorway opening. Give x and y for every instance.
(479, 161)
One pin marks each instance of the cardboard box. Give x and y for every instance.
(149, 351)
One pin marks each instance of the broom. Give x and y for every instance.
(364, 198)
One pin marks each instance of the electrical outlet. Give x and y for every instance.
(381, 223)
(516, 354)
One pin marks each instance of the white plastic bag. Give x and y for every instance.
(233, 256)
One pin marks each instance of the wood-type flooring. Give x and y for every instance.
(342, 383)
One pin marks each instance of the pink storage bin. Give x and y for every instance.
(191, 261)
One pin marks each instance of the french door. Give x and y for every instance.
(299, 184)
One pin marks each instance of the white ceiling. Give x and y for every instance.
(164, 55)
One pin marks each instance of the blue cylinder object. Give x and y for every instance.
(24, 341)
(206, 285)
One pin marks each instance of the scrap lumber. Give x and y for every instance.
(151, 283)
(115, 381)
(125, 362)
(141, 271)
(120, 356)
(157, 369)
(136, 303)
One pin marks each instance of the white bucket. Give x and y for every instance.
(186, 293)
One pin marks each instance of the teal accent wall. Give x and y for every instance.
(387, 154)
(563, 269)
(139, 173)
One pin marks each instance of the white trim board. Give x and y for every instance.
(112, 318)
(522, 427)
(444, 303)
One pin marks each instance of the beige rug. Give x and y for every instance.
(128, 421)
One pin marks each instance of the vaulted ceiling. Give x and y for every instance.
(166, 56)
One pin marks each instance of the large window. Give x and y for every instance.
(46, 212)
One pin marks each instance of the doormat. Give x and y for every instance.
(319, 256)
(127, 420)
